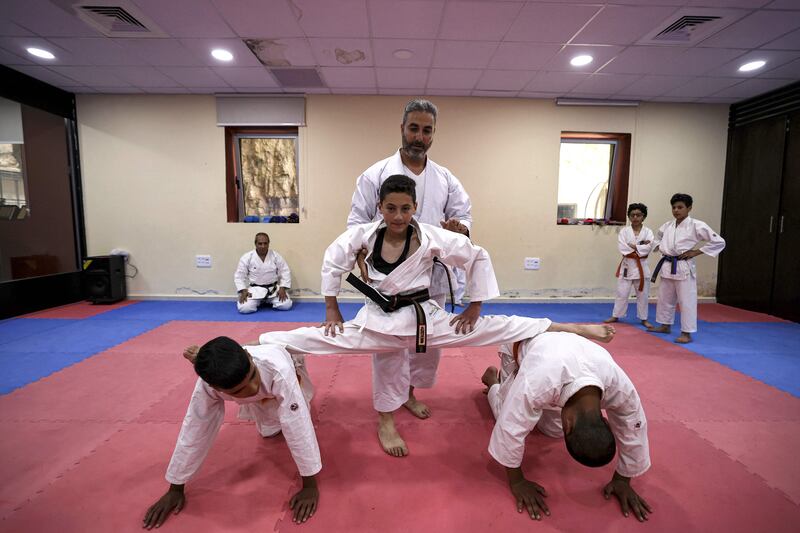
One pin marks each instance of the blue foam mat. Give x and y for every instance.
(221, 312)
(15, 329)
(18, 369)
(87, 336)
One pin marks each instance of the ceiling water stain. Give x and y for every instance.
(269, 52)
(347, 57)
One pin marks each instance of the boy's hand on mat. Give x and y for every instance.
(620, 487)
(190, 353)
(172, 501)
(465, 322)
(304, 503)
(530, 496)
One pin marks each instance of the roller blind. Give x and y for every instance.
(10, 122)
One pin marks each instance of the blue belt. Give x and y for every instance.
(673, 270)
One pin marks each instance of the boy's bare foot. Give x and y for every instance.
(647, 324)
(685, 338)
(417, 408)
(660, 329)
(391, 441)
(490, 377)
(597, 332)
(611, 319)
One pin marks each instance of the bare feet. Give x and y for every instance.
(417, 408)
(391, 441)
(647, 324)
(611, 320)
(685, 338)
(660, 329)
(490, 378)
(597, 332)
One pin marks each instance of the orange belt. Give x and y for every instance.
(634, 255)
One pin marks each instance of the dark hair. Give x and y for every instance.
(260, 233)
(420, 104)
(591, 442)
(640, 207)
(221, 362)
(681, 197)
(398, 183)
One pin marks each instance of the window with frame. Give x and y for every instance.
(593, 176)
(262, 174)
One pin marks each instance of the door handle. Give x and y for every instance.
(781, 230)
(770, 223)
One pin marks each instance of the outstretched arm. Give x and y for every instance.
(596, 332)
(620, 486)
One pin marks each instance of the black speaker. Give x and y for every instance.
(103, 279)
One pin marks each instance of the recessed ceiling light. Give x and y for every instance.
(753, 65)
(579, 61)
(38, 52)
(222, 55)
(402, 53)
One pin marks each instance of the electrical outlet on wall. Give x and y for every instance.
(202, 261)
(532, 263)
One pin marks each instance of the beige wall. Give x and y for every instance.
(154, 169)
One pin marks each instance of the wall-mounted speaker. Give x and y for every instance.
(103, 279)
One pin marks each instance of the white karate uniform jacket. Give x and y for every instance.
(553, 367)
(207, 410)
(411, 275)
(673, 240)
(629, 269)
(252, 269)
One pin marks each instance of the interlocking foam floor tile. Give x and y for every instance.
(18, 369)
(36, 453)
(90, 335)
(768, 449)
(725, 313)
(174, 336)
(244, 485)
(80, 310)
(16, 329)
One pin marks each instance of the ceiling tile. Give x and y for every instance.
(653, 85)
(356, 91)
(96, 77)
(790, 41)
(160, 52)
(495, 94)
(549, 23)
(97, 51)
(622, 24)
(19, 45)
(245, 77)
(295, 52)
(44, 18)
(400, 92)
(605, 83)
(333, 18)
(145, 77)
(210, 90)
(756, 29)
(699, 61)
(390, 18)
(463, 54)
(503, 80)
(700, 87)
(194, 77)
(242, 56)
(555, 82)
(788, 71)
(673, 99)
(186, 18)
(342, 52)
(9, 29)
(750, 88)
(46, 75)
(774, 59)
(601, 55)
(749, 4)
(523, 56)
(338, 77)
(461, 79)
(642, 60)
(401, 78)
(540, 96)
(783, 4)
(384, 48)
(448, 92)
(265, 19)
(478, 21)
(7, 58)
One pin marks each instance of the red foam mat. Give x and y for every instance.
(79, 310)
(726, 313)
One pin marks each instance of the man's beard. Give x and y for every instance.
(415, 151)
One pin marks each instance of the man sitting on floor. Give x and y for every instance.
(271, 388)
(558, 383)
(262, 277)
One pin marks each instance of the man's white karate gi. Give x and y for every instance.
(272, 272)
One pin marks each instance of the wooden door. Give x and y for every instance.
(750, 214)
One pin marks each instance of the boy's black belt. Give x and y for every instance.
(674, 269)
(397, 301)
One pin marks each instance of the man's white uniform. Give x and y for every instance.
(252, 271)
(373, 330)
(440, 196)
(629, 275)
(552, 368)
(280, 405)
(681, 287)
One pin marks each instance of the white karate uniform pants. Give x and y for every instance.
(624, 287)
(682, 292)
(258, 297)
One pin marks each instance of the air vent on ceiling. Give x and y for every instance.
(115, 18)
(297, 77)
(689, 26)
